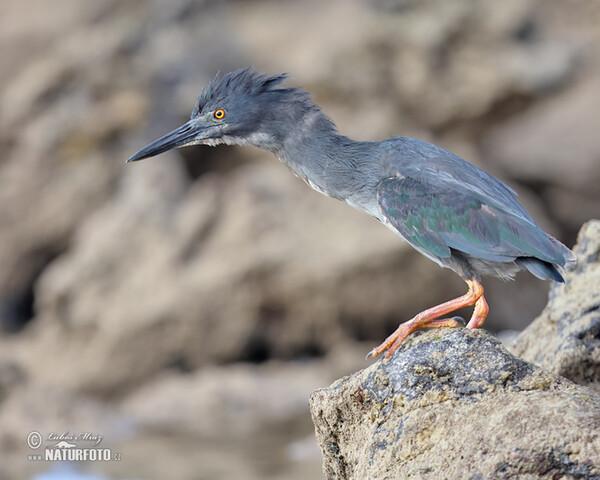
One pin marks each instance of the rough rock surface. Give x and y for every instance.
(253, 398)
(565, 338)
(247, 421)
(456, 404)
(536, 144)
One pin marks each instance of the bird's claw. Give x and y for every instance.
(391, 344)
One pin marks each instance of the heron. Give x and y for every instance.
(449, 210)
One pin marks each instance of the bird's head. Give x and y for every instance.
(241, 108)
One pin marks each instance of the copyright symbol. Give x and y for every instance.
(34, 440)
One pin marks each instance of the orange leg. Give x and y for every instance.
(428, 317)
(479, 314)
(444, 322)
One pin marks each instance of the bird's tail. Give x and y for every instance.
(541, 269)
(546, 270)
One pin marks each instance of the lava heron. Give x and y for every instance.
(452, 212)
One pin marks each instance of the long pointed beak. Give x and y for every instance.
(189, 133)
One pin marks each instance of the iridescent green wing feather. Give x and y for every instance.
(436, 215)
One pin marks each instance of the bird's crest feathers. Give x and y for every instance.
(245, 81)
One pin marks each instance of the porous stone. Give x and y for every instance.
(565, 338)
(456, 404)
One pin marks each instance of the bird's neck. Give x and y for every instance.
(314, 151)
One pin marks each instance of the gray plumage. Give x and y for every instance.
(449, 210)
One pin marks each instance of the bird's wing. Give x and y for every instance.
(436, 213)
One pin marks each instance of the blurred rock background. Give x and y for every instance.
(184, 307)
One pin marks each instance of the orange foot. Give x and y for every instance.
(428, 318)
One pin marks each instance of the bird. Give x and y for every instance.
(449, 210)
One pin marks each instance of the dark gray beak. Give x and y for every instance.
(192, 132)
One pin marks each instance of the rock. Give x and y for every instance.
(240, 400)
(58, 120)
(435, 62)
(565, 338)
(572, 207)
(227, 421)
(41, 408)
(75, 83)
(554, 142)
(456, 404)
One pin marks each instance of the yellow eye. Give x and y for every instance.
(219, 114)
